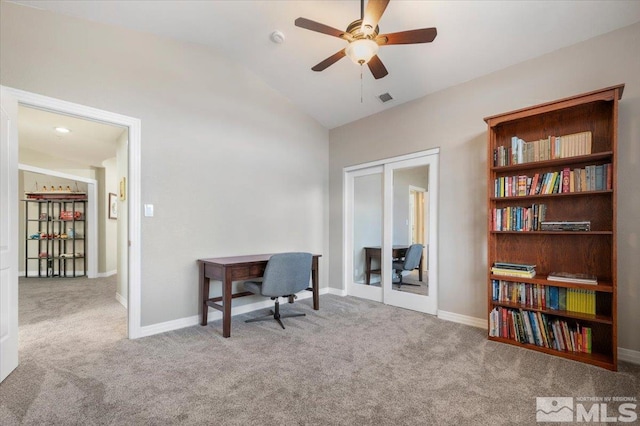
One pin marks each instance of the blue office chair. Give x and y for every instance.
(410, 262)
(285, 275)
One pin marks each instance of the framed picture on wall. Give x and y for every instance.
(113, 206)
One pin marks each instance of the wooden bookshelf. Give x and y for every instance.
(587, 252)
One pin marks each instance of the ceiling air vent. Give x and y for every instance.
(385, 97)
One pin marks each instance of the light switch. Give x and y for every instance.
(148, 210)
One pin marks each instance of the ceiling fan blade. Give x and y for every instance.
(377, 67)
(424, 35)
(329, 61)
(320, 28)
(373, 13)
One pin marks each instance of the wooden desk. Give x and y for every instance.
(397, 252)
(229, 269)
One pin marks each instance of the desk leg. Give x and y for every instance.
(204, 286)
(367, 265)
(315, 284)
(226, 304)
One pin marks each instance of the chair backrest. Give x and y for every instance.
(286, 273)
(412, 257)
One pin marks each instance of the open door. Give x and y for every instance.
(8, 234)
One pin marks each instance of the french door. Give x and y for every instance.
(389, 205)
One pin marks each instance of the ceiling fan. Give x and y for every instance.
(364, 38)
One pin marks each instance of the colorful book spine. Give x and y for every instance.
(590, 178)
(538, 329)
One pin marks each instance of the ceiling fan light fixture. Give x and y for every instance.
(362, 50)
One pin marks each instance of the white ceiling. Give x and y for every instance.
(88, 143)
(474, 38)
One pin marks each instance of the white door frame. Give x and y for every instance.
(429, 303)
(133, 187)
(92, 226)
(8, 234)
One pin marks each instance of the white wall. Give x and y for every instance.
(231, 166)
(51, 162)
(453, 120)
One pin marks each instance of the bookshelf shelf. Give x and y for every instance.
(600, 360)
(554, 232)
(603, 287)
(539, 196)
(570, 161)
(555, 133)
(604, 319)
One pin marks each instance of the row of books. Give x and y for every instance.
(589, 178)
(538, 329)
(544, 297)
(548, 148)
(518, 218)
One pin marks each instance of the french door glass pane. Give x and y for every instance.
(367, 228)
(410, 226)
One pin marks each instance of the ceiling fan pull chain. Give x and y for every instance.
(360, 83)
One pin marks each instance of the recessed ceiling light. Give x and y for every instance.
(62, 130)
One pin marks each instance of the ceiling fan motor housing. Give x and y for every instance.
(358, 33)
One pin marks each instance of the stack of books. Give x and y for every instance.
(565, 226)
(519, 270)
(573, 278)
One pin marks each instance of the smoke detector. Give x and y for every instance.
(277, 37)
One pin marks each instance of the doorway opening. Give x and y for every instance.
(127, 190)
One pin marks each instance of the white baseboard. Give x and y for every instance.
(106, 274)
(150, 330)
(629, 355)
(336, 291)
(34, 274)
(464, 319)
(121, 300)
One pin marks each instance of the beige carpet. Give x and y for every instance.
(419, 287)
(353, 362)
